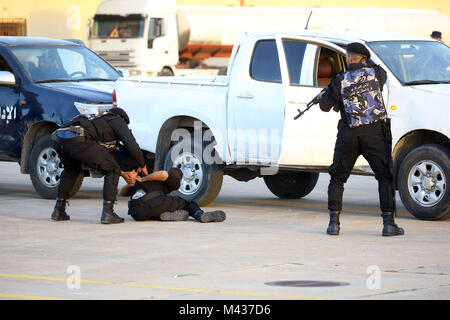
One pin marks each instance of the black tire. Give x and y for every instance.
(165, 72)
(435, 204)
(292, 185)
(211, 174)
(47, 186)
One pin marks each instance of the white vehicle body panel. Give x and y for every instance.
(203, 99)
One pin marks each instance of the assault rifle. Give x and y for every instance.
(314, 101)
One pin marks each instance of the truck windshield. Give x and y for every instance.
(115, 26)
(415, 62)
(63, 63)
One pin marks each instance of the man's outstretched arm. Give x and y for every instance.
(155, 176)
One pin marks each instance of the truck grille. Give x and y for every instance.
(119, 59)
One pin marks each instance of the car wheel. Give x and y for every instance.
(423, 182)
(201, 182)
(292, 185)
(46, 169)
(165, 72)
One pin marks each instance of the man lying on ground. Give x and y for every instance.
(150, 199)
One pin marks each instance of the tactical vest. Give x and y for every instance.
(362, 98)
(98, 128)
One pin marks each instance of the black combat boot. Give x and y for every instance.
(212, 216)
(389, 227)
(59, 212)
(108, 214)
(333, 226)
(177, 215)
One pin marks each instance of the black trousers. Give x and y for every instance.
(168, 204)
(374, 149)
(92, 155)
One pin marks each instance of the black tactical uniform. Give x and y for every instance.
(151, 200)
(364, 129)
(89, 140)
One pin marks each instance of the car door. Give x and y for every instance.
(309, 65)
(9, 105)
(256, 103)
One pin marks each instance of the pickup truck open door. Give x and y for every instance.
(307, 66)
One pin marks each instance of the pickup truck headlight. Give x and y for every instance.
(91, 108)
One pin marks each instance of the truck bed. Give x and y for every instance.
(169, 97)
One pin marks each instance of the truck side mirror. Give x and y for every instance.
(150, 43)
(7, 78)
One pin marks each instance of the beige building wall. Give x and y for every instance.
(70, 18)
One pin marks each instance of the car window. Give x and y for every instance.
(295, 52)
(72, 60)
(329, 65)
(265, 65)
(415, 62)
(4, 66)
(63, 63)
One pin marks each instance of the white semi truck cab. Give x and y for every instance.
(143, 37)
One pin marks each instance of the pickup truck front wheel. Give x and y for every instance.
(201, 182)
(292, 185)
(423, 182)
(46, 169)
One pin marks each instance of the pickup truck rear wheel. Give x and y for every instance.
(201, 182)
(423, 182)
(292, 185)
(46, 169)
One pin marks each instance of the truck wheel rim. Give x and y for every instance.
(49, 167)
(427, 183)
(192, 170)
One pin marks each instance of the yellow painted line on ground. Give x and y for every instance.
(19, 276)
(26, 297)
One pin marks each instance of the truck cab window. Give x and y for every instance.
(117, 26)
(295, 52)
(329, 65)
(265, 65)
(155, 30)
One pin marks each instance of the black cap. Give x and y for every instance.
(358, 48)
(120, 112)
(436, 34)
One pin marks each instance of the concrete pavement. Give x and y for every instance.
(264, 239)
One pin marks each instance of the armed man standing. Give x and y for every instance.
(89, 140)
(364, 129)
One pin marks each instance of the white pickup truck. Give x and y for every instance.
(242, 124)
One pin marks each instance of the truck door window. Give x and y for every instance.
(295, 52)
(265, 65)
(4, 66)
(329, 64)
(155, 30)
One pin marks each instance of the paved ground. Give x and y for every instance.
(264, 239)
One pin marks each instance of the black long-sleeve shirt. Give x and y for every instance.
(165, 187)
(123, 133)
(332, 96)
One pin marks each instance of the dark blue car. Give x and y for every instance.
(43, 84)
